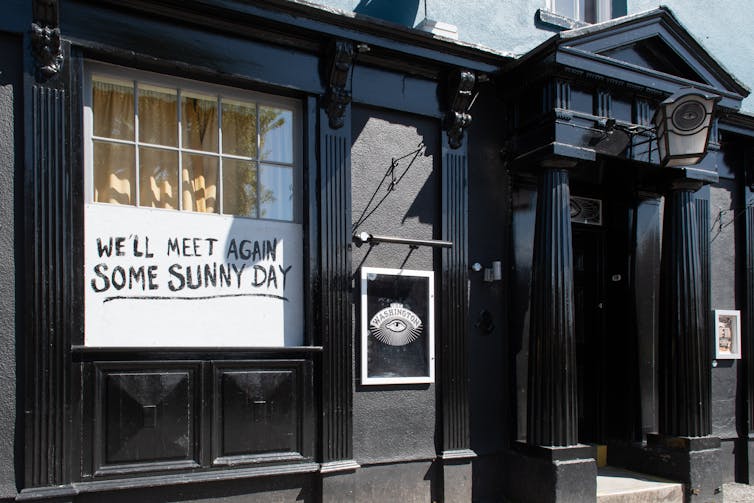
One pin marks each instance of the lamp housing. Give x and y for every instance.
(682, 123)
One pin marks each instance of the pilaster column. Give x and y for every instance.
(552, 418)
(684, 364)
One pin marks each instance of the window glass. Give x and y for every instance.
(191, 149)
(114, 173)
(239, 128)
(158, 116)
(199, 122)
(276, 127)
(158, 178)
(113, 106)
(199, 183)
(565, 8)
(239, 187)
(589, 11)
(275, 191)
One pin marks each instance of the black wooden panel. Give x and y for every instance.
(145, 417)
(259, 410)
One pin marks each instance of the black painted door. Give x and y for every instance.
(591, 336)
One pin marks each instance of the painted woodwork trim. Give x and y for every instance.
(335, 289)
(748, 319)
(460, 97)
(45, 38)
(50, 267)
(340, 59)
(454, 351)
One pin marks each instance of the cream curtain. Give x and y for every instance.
(115, 163)
(190, 182)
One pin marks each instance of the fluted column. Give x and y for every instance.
(684, 365)
(552, 418)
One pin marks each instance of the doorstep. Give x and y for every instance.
(616, 485)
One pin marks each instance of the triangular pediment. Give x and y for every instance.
(651, 49)
(655, 54)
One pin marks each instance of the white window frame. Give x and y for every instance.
(166, 81)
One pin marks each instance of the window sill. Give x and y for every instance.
(76, 488)
(554, 20)
(86, 353)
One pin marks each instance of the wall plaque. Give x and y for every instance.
(397, 326)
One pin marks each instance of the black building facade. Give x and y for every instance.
(240, 259)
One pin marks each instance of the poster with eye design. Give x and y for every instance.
(397, 326)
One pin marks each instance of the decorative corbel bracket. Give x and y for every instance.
(45, 37)
(338, 68)
(460, 94)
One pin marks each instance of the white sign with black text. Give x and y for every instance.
(176, 279)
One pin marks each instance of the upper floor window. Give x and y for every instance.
(189, 147)
(588, 11)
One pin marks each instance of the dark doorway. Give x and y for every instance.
(591, 336)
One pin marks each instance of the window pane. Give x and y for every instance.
(239, 128)
(565, 8)
(114, 173)
(158, 116)
(199, 183)
(588, 10)
(113, 109)
(275, 192)
(199, 122)
(239, 188)
(158, 178)
(276, 134)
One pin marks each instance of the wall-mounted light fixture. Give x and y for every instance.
(681, 127)
(682, 123)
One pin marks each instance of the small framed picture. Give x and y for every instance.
(397, 326)
(727, 334)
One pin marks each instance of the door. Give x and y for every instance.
(589, 324)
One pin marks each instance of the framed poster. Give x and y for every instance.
(727, 334)
(397, 326)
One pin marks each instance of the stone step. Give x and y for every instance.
(615, 485)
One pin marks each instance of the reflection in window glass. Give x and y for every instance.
(589, 11)
(275, 192)
(239, 128)
(158, 178)
(190, 149)
(239, 188)
(199, 125)
(276, 134)
(565, 8)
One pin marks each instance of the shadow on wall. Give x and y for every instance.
(402, 12)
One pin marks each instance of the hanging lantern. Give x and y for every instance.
(683, 124)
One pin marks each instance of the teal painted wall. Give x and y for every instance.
(510, 26)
